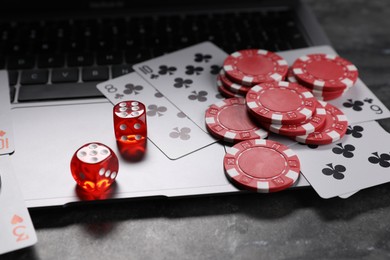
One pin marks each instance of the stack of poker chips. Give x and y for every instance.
(290, 109)
(245, 68)
(258, 99)
(326, 76)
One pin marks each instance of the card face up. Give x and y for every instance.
(6, 128)
(169, 128)
(359, 160)
(17, 230)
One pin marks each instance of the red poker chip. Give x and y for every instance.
(325, 71)
(314, 123)
(231, 86)
(262, 165)
(225, 92)
(229, 120)
(336, 125)
(252, 66)
(280, 103)
(327, 97)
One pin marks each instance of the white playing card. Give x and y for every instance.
(358, 103)
(347, 195)
(6, 129)
(17, 230)
(168, 128)
(359, 160)
(187, 78)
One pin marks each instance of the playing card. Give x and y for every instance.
(347, 195)
(168, 127)
(358, 103)
(6, 131)
(17, 230)
(359, 160)
(187, 78)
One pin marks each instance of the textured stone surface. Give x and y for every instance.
(288, 225)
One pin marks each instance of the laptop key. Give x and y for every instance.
(21, 62)
(29, 77)
(81, 59)
(58, 91)
(51, 60)
(107, 58)
(65, 75)
(119, 70)
(95, 74)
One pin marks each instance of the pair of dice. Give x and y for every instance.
(94, 166)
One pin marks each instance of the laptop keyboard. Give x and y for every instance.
(54, 60)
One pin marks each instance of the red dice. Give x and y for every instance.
(94, 167)
(130, 129)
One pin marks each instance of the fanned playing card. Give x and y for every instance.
(17, 230)
(168, 127)
(359, 160)
(187, 78)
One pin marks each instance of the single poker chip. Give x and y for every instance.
(261, 165)
(280, 103)
(325, 71)
(314, 123)
(253, 66)
(225, 92)
(231, 86)
(335, 127)
(229, 120)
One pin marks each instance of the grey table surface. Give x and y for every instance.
(288, 225)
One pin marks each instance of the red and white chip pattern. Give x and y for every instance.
(253, 66)
(231, 86)
(314, 123)
(225, 92)
(262, 165)
(336, 125)
(229, 120)
(325, 72)
(280, 103)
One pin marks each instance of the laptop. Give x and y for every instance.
(54, 53)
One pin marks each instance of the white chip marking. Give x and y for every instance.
(307, 94)
(351, 68)
(293, 175)
(289, 153)
(232, 151)
(347, 82)
(260, 142)
(236, 54)
(334, 135)
(309, 128)
(297, 71)
(319, 83)
(276, 118)
(229, 135)
(304, 58)
(228, 68)
(252, 104)
(342, 118)
(232, 172)
(262, 52)
(247, 79)
(277, 77)
(282, 62)
(308, 113)
(331, 56)
(263, 186)
(210, 120)
(283, 84)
